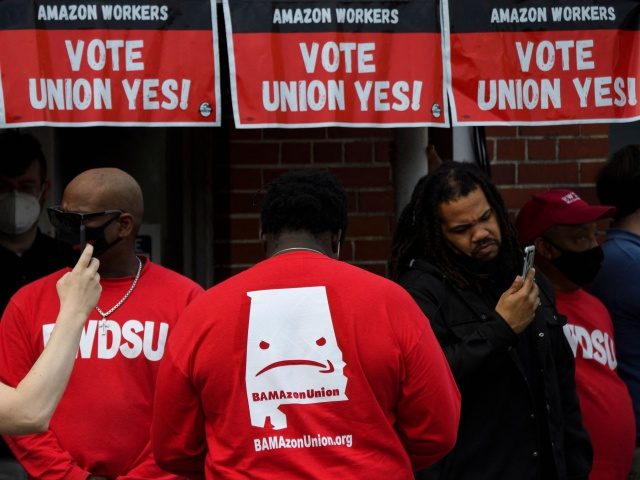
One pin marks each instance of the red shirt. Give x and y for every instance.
(102, 423)
(604, 399)
(304, 367)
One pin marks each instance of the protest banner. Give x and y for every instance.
(543, 62)
(81, 63)
(350, 63)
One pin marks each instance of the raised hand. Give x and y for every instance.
(79, 289)
(518, 304)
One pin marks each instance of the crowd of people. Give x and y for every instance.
(461, 365)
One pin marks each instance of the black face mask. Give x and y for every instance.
(579, 267)
(68, 229)
(96, 237)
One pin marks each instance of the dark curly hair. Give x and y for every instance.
(419, 232)
(306, 200)
(618, 182)
(18, 151)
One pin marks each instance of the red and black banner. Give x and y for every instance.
(80, 62)
(543, 62)
(305, 63)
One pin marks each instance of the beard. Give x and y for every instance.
(487, 272)
(476, 252)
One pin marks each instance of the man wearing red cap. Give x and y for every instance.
(563, 229)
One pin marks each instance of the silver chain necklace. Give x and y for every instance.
(103, 323)
(296, 248)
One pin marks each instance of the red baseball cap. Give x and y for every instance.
(558, 206)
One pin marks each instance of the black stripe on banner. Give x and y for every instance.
(295, 16)
(472, 16)
(105, 14)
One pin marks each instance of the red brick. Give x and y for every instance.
(584, 148)
(371, 133)
(376, 268)
(244, 202)
(246, 253)
(270, 174)
(371, 250)
(515, 197)
(503, 173)
(501, 131)
(588, 194)
(327, 152)
(510, 149)
(548, 173)
(294, 133)
(365, 177)
(352, 201)
(541, 149)
(254, 153)
(358, 152)
(549, 130)
(594, 129)
(298, 153)
(244, 228)
(382, 152)
(245, 178)
(245, 134)
(380, 201)
(368, 226)
(589, 171)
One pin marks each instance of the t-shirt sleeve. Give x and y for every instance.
(177, 431)
(429, 405)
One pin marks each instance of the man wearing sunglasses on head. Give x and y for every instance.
(101, 427)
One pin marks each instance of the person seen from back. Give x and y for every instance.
(303, 366)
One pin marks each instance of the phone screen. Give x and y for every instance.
(529, 253)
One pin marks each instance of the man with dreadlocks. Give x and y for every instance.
(456, 252)
(304, 366)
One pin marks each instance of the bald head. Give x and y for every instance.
(101, 189)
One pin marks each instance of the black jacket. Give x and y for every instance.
(520, 416)
(45, 256)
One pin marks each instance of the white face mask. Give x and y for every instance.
(18, 212)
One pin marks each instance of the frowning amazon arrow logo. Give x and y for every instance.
(292, 328)
(286, 363)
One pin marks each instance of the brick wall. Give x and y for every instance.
(361, 160)
(525, 160)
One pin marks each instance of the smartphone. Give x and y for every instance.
(529, 252)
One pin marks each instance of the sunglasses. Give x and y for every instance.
(75, 221)
(71, 220)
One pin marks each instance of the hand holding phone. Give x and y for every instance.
(529, 253)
